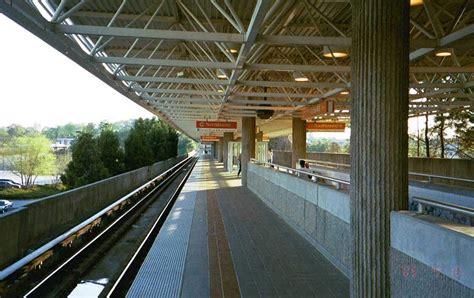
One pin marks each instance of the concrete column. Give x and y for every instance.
(220, 149)
(248, 145)
(228, 137)
(379, 143)
(298, 143)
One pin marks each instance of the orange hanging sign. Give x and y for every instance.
(209, 139)
(325, 126)
(216, 125)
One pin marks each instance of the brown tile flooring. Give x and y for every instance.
(252, 252)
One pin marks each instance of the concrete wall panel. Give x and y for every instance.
(296, 200)
(45, 219)
(412, 278)
(437, 243)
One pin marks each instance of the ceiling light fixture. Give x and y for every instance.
(344, 92)
(234, 47)
(416, 2)
(334, 51)
(443, 53)
(300, 77)
(221, 74)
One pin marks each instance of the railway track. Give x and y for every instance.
(112, 244)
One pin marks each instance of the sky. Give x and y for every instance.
(40, 86)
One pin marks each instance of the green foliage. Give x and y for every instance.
(328, 145)
(31, 156)
(109, 147)
(185, 144)
(86, 166)
(34, 192)
(69, 130)
(149, 141)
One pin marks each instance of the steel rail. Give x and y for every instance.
(8, 271)
(167, 175)
(128, 274)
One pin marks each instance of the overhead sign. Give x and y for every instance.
(209, 138)
(317, 109)
(216, 125)
(325, 126)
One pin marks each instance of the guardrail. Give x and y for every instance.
(420, 201)
(429, 176)
(445, 206)
(292, 171)
(326, 163)
(4, 273)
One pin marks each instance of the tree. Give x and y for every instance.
(185, 144)
(110, 153)
(62, 160)
(86, 166)
(138, 152)
(463, 123)
(32, 157)
(149, 141)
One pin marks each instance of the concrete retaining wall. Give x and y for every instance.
(319, 213)
(459, 168)
(430, 257)
(41, 221)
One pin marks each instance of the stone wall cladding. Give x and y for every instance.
(411, 278)
(298, 201)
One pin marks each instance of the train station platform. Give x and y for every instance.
(220, 239)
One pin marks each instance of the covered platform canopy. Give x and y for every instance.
(192, 60)
(276, 64)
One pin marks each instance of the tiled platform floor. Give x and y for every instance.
(237, 246)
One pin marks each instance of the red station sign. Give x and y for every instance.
(326, 126)
(216, 124)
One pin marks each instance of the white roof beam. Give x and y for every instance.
(260, 66)
(444, 42)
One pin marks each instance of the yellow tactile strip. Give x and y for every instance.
(223, 279)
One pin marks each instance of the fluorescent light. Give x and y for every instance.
(334, 51)
(344, 92)
(443, 53)
(221, 74)
(416, 2)
(300, 77)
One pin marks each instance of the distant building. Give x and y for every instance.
(62, 144)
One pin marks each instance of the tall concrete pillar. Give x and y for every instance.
(228, 137)
(248, 145)
(298, 143)
(220, 149)
(379, 142)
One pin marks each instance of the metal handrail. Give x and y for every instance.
(446, 206)
(7, 271)
(429, 176)
(321, 162)
(294, 171)
(440, 177)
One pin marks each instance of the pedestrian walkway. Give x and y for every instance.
(234, 245)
